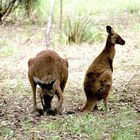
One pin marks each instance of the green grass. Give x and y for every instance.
(81, 29)
(136, 27)
(121, 126)
(14, 83)
(7, 132)
(8, 51)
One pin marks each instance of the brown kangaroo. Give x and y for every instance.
(50, 72)
(98, 78)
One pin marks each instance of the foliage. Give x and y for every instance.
(14, 6)
(81, 29)
(6, 7)
(8, 52)
(28, 5)
(81, 26)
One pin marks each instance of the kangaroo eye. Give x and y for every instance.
(117, 39)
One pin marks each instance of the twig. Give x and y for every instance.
(17, 59)
(132, 77)
(130, 80)
(138, 111)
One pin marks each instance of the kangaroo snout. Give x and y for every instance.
(123, 42)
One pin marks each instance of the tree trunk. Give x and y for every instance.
(61, 19)
(49, 25)
(61, 14)
(7, 8)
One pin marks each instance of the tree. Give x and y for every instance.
(28, 6)
(6, 7)
(61, 14)
(61, 18)
(49, 25)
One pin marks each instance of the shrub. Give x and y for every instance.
(81, 29)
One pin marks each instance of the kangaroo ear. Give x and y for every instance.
(110, 30)
(44, 85)
(38, 81)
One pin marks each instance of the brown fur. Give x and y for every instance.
(98, 78)
(50, 72)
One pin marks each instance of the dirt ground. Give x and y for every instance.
(15, 91)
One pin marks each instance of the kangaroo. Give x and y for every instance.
(98, 77)
(50, 72)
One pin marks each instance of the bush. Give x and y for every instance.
(81, 29)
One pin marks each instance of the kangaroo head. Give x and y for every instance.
(113, 37)
(46, 89)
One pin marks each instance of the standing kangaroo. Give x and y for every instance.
(50, 72)
(98, 78)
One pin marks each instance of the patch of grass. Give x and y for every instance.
(19, 84)
(81, 29)
(122, 125)
(6, 86)
(39, 126)
(52, 126)
(102, 7)
(5, 131)
(132, 7)
(8, 51)
(136, 27)
(14, 83)
(56, 138)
